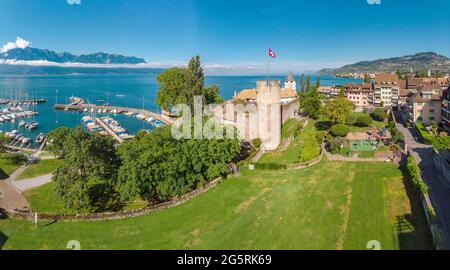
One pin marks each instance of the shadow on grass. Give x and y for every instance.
(104, 199)
(323, 125)
(413, 230)
(3, 175)
(3, 239)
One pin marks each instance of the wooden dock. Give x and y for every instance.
(109, 130)
(81, 107)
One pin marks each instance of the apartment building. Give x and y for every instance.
(360, 94)
(424, 107)
(386, 90)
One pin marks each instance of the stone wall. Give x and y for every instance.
(289, 110)
(442, 165)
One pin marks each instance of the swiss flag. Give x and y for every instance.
(272, 53)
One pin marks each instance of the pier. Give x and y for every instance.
(108, 130)
(80, 107)
(7, 101)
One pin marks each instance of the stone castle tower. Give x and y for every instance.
(268, 96)
(290, 82)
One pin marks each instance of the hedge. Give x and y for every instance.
(414, 173)
(423, 133)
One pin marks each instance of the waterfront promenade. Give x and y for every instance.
(82, 107)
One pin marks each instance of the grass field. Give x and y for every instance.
(42, 167)
(6, 167)
(288, 156)
(333, 205)
(43, 200)
(374, 123)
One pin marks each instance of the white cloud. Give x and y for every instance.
(374, 2)
(19, 43)
(74, 2)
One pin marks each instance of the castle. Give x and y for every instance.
(260, 112)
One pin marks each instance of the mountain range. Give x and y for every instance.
(416, 62)
(35, 54)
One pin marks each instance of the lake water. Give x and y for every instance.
(118, 90)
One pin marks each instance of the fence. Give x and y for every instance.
(113, 215)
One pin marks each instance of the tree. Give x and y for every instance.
(3, 141)
(212, 95)
(364, 121)
(308, 84)
(367, 78)
(379, 114)
(170, 88)
(181, 85)
(399, 74)
(302, 83)
(342, 92)
(89, 168)
(339, 130)
(156, 167)
(337, 110)
(317, 83)
(311, 104)
(57, 139)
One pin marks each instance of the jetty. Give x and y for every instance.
(22, 101)
(82, 107)
(108, 130)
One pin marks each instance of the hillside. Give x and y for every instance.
(417, 62)
(35, 54)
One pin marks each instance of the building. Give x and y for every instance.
(288, 93)
(329, 91)
(260, 112)
(445, 109)
(424, 107)
(386, 90)
(290, 82)
(360, 94)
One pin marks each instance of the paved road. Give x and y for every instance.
(26, 184)
(439, 190)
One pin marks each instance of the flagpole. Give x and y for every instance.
(268, 70)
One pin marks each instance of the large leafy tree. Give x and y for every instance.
(311, 103)
(171, 85)
(181, 85)
(337, 110)
(155, 166)
(89, 168)
(57, 139)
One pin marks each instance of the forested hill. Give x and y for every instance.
(416, 62)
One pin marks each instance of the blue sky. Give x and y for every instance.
(233, 34)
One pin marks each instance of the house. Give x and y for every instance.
(329, 91)
(425, 107)
(360, 94)
(386, 89)
(445, 109)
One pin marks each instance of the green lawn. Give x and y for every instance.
(376, 124)
(333, 205)
(288, 156)
(6, 166)
(42, 167)
(43, 200)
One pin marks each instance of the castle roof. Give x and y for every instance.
(250, 94)
(290, 77)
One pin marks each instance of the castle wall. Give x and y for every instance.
(289, 110)
(269, 113)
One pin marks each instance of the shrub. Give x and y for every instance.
(337, 143)
(423, 133)
(414, 173)
(256, 142)
(310, 148)
(364, 121)
(351, 119)
(441, 143)
(17, 159)
(340, 130)
(379, 114)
